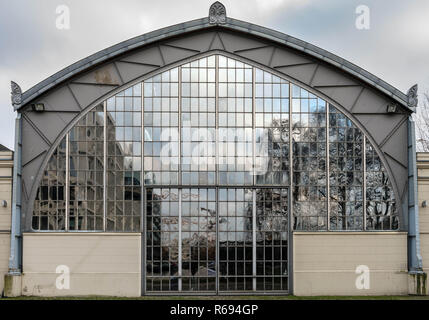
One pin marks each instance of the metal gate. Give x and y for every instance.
(216, 240)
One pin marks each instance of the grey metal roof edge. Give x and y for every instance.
(199, 24)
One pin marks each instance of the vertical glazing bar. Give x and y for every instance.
(142, 159)
(217, 117)
(254, 179)
(67, 186)
(143, 203)
(289, 248)
(253, 128)
(217, 167)
(179, 180)
(179, 250)
(290, 160)
(328, 192)
(290, 199)
(179, 129)
(254, 238)
(105, 165)
(217, 239)
(364, 180)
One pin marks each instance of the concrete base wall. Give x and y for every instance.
(99, 264)
(325, 263)
(12, 285)
(110, 264)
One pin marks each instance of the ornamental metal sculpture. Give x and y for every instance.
(16, 94)
(217, 13)
(412, 96)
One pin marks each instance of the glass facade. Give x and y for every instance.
(161, 129)
(345, 173)
(86, 163)
(124, 160)
(309, 159)
(198, 123)
(227, 158)
(49, 211)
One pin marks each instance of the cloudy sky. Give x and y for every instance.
(395, 48)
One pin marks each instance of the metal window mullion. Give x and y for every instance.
(143, 240)
(67, 184)
(254, 237)
(179, 129)
(290, 157)
(217, 239)
(142, 180)
(328, 194)
(217, 168)
(253, 127)
(105, 165)
(179, 180)
(217, 173)
(290, 198)
(254, 180)
(144, 251)
(179, 250)
(364, 180)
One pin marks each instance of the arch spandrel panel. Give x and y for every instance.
(267, 125)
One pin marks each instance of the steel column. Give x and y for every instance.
(414, 256)
(15, 235)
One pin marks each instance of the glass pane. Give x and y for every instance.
(345, 173)
(381, 208)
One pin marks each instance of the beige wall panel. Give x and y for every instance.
(341, 283)
(100, 264)
(5, 220)
(5, 172)
(5, 212)
(423, 189)
(4, 257)
(423, 194)
(83, 284)
(6, 187)
(325, 263)
(424, 248)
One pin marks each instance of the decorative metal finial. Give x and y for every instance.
(16, 94)
(412, 96)
(217, 13)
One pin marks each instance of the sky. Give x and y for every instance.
(394, 48)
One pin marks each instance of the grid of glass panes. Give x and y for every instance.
(50, 205)
(198, 216)
(272, 209)
(123, 127)
(86, 209)
(345, 173)
(272, 129)
(198, 122)
(161, 128)
(235, 239)
(235, 122)
(381, 210)
(162, 239)
(161, 150)
(309, 160)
